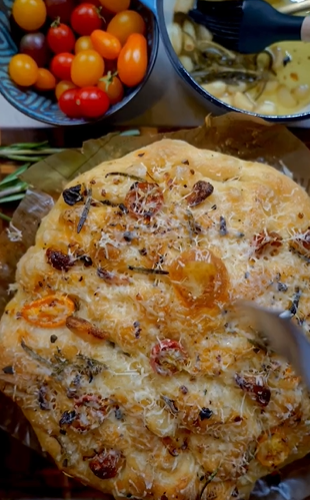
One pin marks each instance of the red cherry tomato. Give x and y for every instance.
(61, 66)
(132, 61)
(60, 38)
(85, 19)
(59, 8)
(93, 102)
(68, 103)
(168, 357)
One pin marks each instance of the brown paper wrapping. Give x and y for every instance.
(233, 134)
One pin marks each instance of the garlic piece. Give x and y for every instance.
(203, 34)
(271, 86)
(227, 99)
(278, 57)
(183, 6)
(176, 37)
(242, 101)
(188, 43)
(285, 97)
(216, 88)
(189, 28)
(187, 63)
(266, 108)
(301, 92)
(239, 87)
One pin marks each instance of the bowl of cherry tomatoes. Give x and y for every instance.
(69, 62)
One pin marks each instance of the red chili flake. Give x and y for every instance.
(266, 238)
(107, 464)
(257, 390)
(59, 260)
(200, 192)
(144, 200)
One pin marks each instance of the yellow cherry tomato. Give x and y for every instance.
(83, 43)
(23, 70)
(45, 80)
(87, 68)
(62, 86)
(126, 23)
(30, 15)
(115, 6)
(112, 86)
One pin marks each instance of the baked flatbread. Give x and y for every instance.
(121, 344)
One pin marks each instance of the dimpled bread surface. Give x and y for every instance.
(119, 344)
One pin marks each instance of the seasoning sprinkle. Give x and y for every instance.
(171, 405)
(146, 270)
(205, 414)
(8, 370)
(109, 203)
(124, 174)
(223, 227)
(85, 211)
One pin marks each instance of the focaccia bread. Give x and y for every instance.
(120, 344)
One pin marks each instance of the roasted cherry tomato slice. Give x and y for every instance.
(85, 19)
(61, 65)
(132, 61)
(23, 70)
(30, 15)
(87, 68)
(115, 5)
(113, 87)
(49, 312)
(106, 44)
(125, 24)
(93, 102)
(62, 86)
(83, 43)
(168, 357)
(60, 38)
(68, 103)
(144, 200)
(45, 80)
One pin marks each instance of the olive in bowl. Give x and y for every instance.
(68, 62)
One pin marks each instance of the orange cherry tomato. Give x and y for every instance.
(106, 44)
(45, 80)
(23, 70)
(112, 86)
(115, 6)
(132, 61)
(83, 43)
(62, 86)
(48, 312)
(125, 24)
(87, 68)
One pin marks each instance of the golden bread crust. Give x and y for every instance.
(119, 345)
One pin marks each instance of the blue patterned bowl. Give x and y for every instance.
(42, 108)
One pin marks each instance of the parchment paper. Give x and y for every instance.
(234, 134)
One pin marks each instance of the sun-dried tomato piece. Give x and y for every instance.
(144, 200)
(59, 260)
(257, 389)
(107, 464)
(266, 238)
(82, 326)
(301, 243)
(168, 357)
(200, 192)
